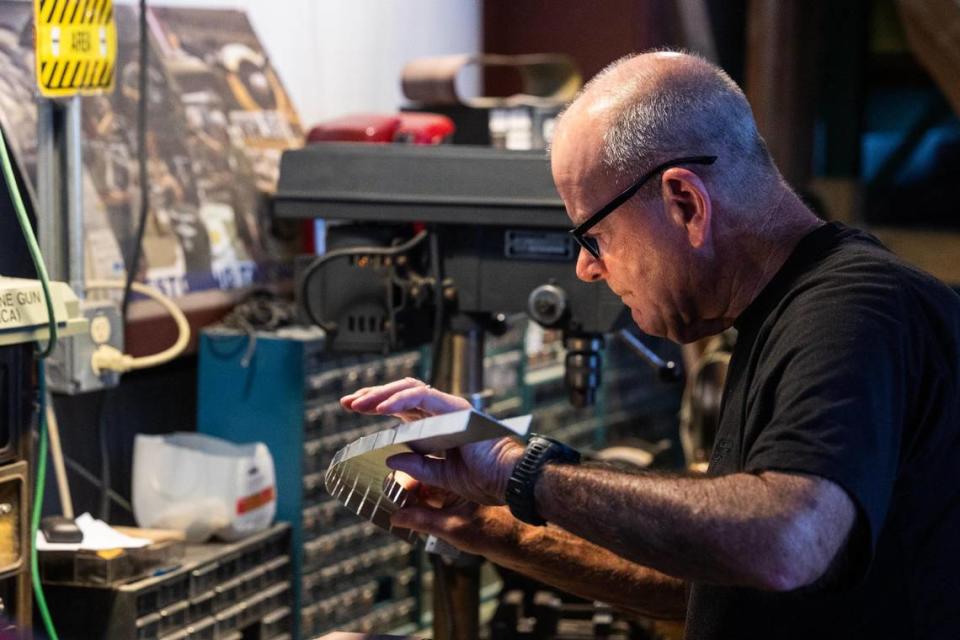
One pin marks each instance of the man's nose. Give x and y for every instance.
(589, 269)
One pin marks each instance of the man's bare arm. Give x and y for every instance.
(553, 556)
(773, 531)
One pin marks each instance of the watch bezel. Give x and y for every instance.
(539, 451)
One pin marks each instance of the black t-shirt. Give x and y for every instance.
(847, 367)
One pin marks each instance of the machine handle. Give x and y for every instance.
(667, 370)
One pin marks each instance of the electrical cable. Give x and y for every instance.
(143, 87)
(50, 416)
(251, 332)
(325, 259)
(104, 483)
(41, 465)
(32, 245)
(388, 291)
(110, 358)
(133, 258)
(104, 445)
(41, 478)
(133, 263)
(438, 312)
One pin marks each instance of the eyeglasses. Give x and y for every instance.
(579, 231)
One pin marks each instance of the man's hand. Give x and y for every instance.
(477, 472)
(478, 529)
(408, 399)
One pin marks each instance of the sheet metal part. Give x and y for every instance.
(360, 479)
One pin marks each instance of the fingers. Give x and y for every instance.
(427, 470)
(348, 399)
(435, 497)
(409, 398)
(405, 400)
(421, 519)
(427, 400)
(366, 400)
(465, 525)
(453, 524)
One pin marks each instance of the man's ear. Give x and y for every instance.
(687, 203)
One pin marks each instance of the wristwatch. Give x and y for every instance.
(540, 450)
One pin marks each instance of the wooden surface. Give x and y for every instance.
(157, 535)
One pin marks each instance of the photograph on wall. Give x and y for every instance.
(218, 121)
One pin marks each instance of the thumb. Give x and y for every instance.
(426, 470)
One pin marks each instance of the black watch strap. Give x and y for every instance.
(520, 488)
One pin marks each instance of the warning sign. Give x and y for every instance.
(76, 46)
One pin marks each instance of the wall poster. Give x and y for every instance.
(218, 120)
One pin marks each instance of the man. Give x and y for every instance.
(831, 505)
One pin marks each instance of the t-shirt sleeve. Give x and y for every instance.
(833, 388)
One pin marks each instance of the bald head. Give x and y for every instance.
(653, 107)
(699, 243)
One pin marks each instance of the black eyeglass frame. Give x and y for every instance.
(590, 244)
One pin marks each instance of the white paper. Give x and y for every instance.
(97, 535)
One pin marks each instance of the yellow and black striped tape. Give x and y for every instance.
(76, 46)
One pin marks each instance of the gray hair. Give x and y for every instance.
(694, 109)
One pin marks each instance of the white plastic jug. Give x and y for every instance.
(203, 485)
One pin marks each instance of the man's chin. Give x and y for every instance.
(647, 328)
(678, 334)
